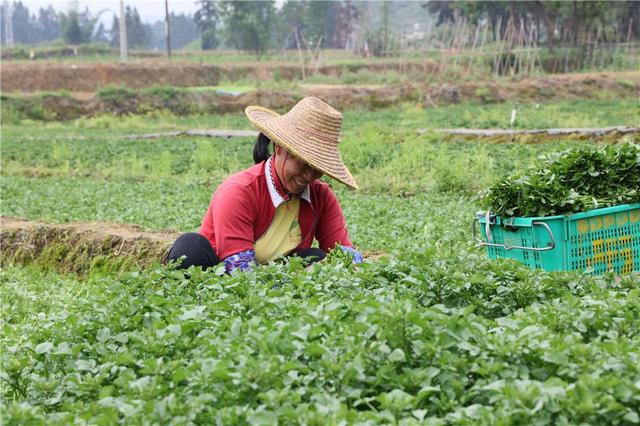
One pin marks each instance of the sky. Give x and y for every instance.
(150, 10)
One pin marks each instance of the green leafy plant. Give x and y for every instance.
(430, 333)
(571, 181)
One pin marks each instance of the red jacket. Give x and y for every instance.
(244, 205)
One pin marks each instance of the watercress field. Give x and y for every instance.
(431, 333)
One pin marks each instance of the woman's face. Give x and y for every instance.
(294, 174)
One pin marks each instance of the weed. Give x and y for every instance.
(115, 94)
(162, 166)
(165, 93)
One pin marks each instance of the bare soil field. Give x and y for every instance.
(542, 89)
(90, 77)
(603, 134)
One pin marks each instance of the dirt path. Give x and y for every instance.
(604, 134)
(601, 134)
(209, 133)
(80, 247)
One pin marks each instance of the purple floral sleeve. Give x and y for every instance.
(242, 261)
(357, 256)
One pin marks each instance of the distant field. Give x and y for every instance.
(95, 66)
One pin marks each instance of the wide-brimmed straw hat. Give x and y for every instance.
(310, 131)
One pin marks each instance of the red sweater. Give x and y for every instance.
(244, 205)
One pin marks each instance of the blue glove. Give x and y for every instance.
(243, 261)
(357, 256)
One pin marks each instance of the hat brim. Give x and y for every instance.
(324, 158)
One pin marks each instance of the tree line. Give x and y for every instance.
(260, 26)
(553, 22)
(81, 26)
(256, 26)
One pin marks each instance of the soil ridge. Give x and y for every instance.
(52, 106)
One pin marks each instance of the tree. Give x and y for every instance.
(345, 24)
(183, 32)
(327, 22)
(206, 19)
(100, 35)
(136, 31)
(114, 32)
(318, 22)
(631, 18)
(49, 24)
(77, 27)
(72, 32)
(4, 11)
(249, 24)
(137, 34)
(291, 22)
(22, 30)
(444, 10)
(573, 22)
(379, 39)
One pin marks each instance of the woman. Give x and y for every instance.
(278, 206)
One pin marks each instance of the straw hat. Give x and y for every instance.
(310, 131)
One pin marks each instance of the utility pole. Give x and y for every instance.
(123, 33)
(167, 28)
(8, 24)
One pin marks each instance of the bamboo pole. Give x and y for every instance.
(460, 36)
(629, 44)
(443, 51)
(483, 42)
(302, 67)
(471, 58)
(460, 41)
(518, 63)
(498, 41)
(533, 46)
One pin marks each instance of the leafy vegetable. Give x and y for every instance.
(571, 181)
(434, 334)
(452, 339)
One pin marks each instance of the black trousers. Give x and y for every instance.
(198, 252)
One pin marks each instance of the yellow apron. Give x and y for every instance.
(283, 235)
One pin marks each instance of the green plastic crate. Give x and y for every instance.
(596, 241)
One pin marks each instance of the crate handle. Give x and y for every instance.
(550, 245)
